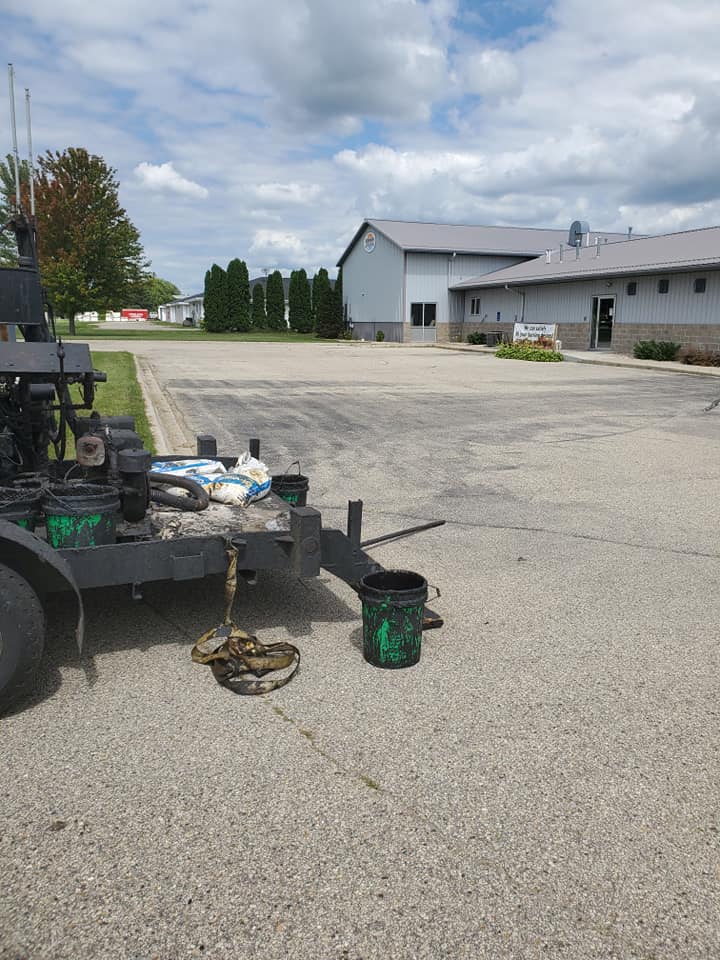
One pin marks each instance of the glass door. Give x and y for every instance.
(603, 313)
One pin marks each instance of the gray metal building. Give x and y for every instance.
(609, 296)
(402, 278)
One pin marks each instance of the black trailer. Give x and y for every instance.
(151, 533)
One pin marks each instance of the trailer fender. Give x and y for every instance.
(43, 568)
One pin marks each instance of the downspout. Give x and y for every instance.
(520, 293)
(404, 297)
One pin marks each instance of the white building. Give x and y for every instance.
(401, 277)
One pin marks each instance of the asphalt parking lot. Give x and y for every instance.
(542, 784)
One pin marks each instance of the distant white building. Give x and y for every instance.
(185, 311)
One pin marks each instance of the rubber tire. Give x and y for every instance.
(22, 637)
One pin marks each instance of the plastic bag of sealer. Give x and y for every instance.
(189, 468)
(247, 481)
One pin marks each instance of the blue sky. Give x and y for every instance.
(269, 132)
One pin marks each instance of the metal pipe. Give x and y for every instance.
(11, 83)
(31, 169)
(402, 533)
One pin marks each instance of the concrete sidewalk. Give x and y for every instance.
(602, 357)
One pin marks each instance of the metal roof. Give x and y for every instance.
(686, 251)
(463, 238)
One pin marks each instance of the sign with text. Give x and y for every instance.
(134, 314)
(533, 331)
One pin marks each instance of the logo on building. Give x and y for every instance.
(369, 242)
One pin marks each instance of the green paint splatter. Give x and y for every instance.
(392, 634)
(80, 531)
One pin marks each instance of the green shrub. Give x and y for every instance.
(700, 358)
(655, 350)
(477, 337)
(527, 351)
(379, 336)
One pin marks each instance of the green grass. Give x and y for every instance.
(121, 394)
(87, 331)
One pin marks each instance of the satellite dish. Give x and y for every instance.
(577, 229)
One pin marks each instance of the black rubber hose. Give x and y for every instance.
(198, 499)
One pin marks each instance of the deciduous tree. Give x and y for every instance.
(91, 257)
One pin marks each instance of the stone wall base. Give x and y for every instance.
(701, 336)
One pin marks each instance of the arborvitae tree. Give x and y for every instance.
(303, 313)
(238, 285)
(296, 303)
(210, 305)
(220, 294)
(319, 282)
(275, 299)
(339, 305)
(259, 320)
(325, 316)
(8, 247)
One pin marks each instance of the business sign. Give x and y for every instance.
(533, 331)
(133, 314)
(369, 242)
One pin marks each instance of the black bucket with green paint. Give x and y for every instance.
(392, 611)
(80, 514)
(21, 505)
(291, 487)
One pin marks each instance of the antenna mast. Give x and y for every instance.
(11, 81)
(31, 170)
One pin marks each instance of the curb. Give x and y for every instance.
(166, 425)
(653, 367)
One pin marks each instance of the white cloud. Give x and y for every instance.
(164, 176)
(301, 121)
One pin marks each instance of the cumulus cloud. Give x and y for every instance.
(304, 120)
(164, 176)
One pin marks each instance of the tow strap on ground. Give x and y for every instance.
(233, 654)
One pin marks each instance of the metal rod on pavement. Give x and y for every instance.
(402, 533)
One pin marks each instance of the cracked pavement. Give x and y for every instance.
(543, 782)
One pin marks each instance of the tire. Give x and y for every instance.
(22, 637)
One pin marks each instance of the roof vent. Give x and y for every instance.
(577, 229)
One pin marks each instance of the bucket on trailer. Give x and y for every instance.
(21, 505)
(80, 514)
(291, 487)
(392, 612)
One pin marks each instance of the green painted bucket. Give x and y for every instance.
(21, 505)
(291, 487)
(392, 612)
(80, 514)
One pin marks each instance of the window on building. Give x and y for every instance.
(632, 288)
(475, 306)
(663, 285)
(700, 284)
(423, 314)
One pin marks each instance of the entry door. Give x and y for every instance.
(603, 312)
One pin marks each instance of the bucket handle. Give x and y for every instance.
(295, 463)
(431, 586)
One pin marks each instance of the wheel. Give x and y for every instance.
(22, 637)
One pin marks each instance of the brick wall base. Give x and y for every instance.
(702, 336)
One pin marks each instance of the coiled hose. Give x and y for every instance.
(198, 499)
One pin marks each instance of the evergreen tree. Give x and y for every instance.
(295, 302)
(259, 320)
(8, 247)
(338, 303)
(210, 321)
(275, 300)
(238, 287)
(302, 322)
(215, 302)
(319, 283)
(326, 324)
